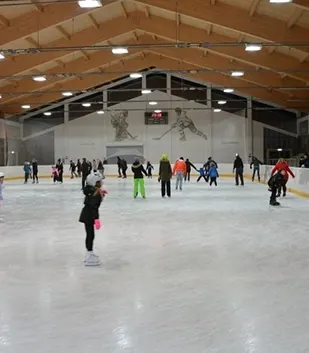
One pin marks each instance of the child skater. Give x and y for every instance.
(275, 183)
(149, 168)
(1, 194)
(202, 175)
(213, 174)
(55, 174)
(90, 214)
(139, 184)
(27, 170)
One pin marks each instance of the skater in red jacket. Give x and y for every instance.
(282, 165)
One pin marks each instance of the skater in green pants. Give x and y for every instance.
(139, 185)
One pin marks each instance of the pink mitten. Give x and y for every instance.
(104, 192)
(97, 224)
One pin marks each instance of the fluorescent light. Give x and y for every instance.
(280, 1)
(279, 149)
(86, 105)
(2, 56)
(100, 112)
(47, 113)
(13, 152)
(136, 75)
(0, 96)
(67, 94)
(120, 50)
(253, 47)
(89, 4)
(39, 78)
(153, 103)
(146, 91)
(221, 102)
(26, 106)
(237, 73)
(158, 111)
(228, 90)
(217, 110)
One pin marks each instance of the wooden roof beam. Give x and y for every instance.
(146, 10)
(24, 25)
(33, 42)
(38, 7)
(93, 21)
(296, 15)
(253, 7)
(213, 2)
(304, 4)
(123, 9)
(228, 16)
(62, 31)
(4, 21)
(85, 55)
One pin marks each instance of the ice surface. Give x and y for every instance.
(207, 271)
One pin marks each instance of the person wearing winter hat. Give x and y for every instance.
(90, 214)
(180, 170)
(139, 184)
(165, 175)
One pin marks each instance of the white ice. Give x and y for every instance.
(207, 271)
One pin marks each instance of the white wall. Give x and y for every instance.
(258, 140)
(88, 136)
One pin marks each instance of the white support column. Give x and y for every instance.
(65, 132)
(105, 100)
(144, 81)
(210, 112)
(249, 134)
(168, 83)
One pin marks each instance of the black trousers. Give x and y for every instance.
(273, 194)
(166, 187)
(187, 176)
(213, 180)
(72, 174)
(27, 177)
(283, 187)
(239, 175)
(119, 171)
(124, 173)
(89, 227)
(35, 176)
(55, 177)
(60, 176)
(202, 176)
(84, 177)
(149, 172)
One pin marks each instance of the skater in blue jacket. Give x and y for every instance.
(202, 175)
(213, 174)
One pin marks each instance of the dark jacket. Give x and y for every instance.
(207, 164)
(138, 170)
(35, 167)
(165, 170)
(256, 162)
(124, 165)
(59, 167)
(72, 167)
(100, 166)
(276, 180)
(238, 163)
(79, 166)
(189, 165)
(92, 202)
(86, 168)
(149, 166)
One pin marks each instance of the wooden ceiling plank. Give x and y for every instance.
(253, 7)
(24, 25)
(123, 9)
(304, 4)
(4, 21)
(85, 55)
(33, 42)
(228, 16)
(146, 10)
(296, 15)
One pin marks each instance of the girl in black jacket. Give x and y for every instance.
(90, 214)
(139, 185)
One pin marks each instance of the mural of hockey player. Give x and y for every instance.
(182, 123)
(120, 124)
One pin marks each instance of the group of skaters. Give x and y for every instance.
(31, 171)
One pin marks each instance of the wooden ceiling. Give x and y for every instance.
(279, 73)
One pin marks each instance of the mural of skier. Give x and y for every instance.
(120, 124)
(182, 123)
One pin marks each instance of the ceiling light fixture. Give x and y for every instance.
(47, 113)
(280, 1)
(67, 94)
(86, 105)
(120, 50)
(253, 47)
(2, 56)
(26, 106)
(100, 112)
(0, 96)
(228, 90)
(89, 4)
(221, 102)
(39, 78)
(153, 103)
(136, 75)
(146, 91)
(158, 111)
(217, 110)
(237, 73)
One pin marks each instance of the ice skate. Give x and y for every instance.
(88, 254)
(274, 203)
(92, 260)
(284, 194)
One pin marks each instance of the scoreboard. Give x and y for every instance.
(156, 118)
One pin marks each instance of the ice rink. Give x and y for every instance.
(211, 270)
